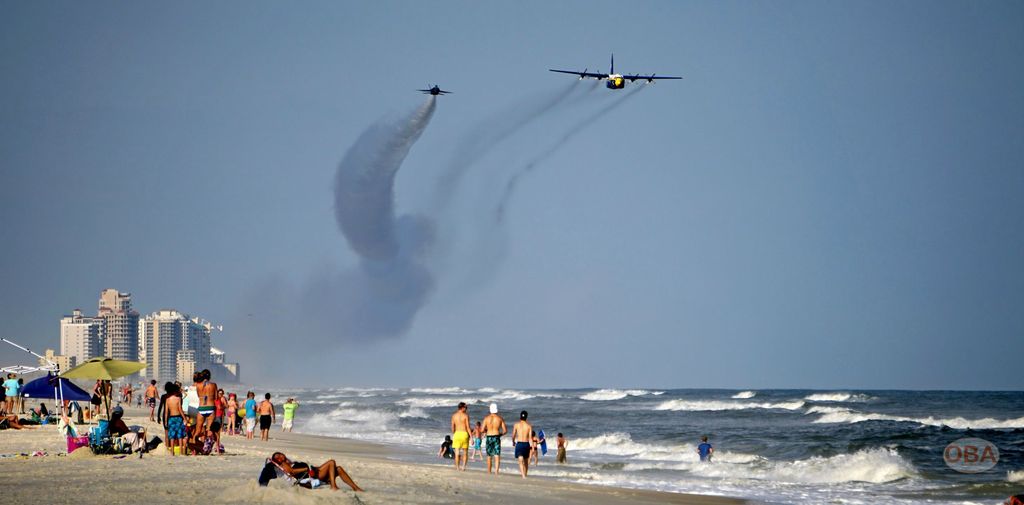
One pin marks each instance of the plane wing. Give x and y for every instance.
(647, 78)
(581, 74)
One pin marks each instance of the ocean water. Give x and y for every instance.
(773, 446)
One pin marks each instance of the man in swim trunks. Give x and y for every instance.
(151, 395)
(207, 392)
(522, 435)
(174, 420)
(267, 417)
(460, 436)
(494, 427)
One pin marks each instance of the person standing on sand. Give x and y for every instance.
(250, 414)
(151, 395)
(522, 436)
(174, 420)
(289, 414)
(207, 408)
(460, 436)
(494, 427)
(562, 442)
(478, 436)
(705, 450)
(11, 390)
(267, 417)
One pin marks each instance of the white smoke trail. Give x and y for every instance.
(487, 133)
(530, 166)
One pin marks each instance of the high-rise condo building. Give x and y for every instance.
(122, 325)
(81, 337)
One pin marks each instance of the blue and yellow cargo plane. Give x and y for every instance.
(615, 81)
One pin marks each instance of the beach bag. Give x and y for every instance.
(77, 442)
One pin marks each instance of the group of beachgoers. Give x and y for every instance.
(195, 417)
(486, 435)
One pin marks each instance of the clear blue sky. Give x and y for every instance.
(832, 197)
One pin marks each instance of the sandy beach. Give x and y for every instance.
(83, 478)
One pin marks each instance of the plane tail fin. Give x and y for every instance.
(612, 71)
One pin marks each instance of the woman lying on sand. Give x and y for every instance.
(326, 472)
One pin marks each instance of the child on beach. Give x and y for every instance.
(562, 442)
(478, 438)
(446, 450)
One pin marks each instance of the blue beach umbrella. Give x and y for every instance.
(46, 387)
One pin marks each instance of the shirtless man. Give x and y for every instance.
(151, 395)
(174, 420)
(207, 392)
(494, 427)
(267, 417)
(460, 436)
(522, 435)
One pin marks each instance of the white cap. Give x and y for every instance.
(494, 408)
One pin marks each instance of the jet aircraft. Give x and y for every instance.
(434, 91)
(615, 81)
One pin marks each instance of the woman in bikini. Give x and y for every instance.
(231, 410)
(327, 472)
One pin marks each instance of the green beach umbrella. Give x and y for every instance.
(105, 369)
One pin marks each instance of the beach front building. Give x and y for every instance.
(160, 336)
(121, 325)
(168, 337)
(81, 337)
(222, 370)
(64, 363)
(186, 366)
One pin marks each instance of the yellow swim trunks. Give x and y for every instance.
(460, 440)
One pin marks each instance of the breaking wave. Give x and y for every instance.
(603, 395)
(705, 405)
(837, 397)
(743, 395)
(877, 465)
(622, 444)
(837, 415)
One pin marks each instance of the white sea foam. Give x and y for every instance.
(433, 402)
(508, 395)
(365, 424)
(743, 395)
(837, 397)
(414, 412)
(453, 390)
(622, 444)
(603, 395)
(836, 415)
(876, 466)
(1015, 476)
(710, 405)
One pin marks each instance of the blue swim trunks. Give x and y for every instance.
(175, 428)
(522, 450)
